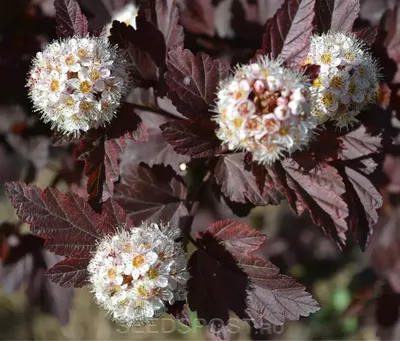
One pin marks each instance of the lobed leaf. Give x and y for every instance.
(24, 264)
(197, 16)
(336, 15)
(287, 32)
(240, 185)
(70, 20)
(228, 278)
(152, 194)
(319, 191)
(368, 34)
(164, 15)
(156, 151)
(66, 221)
(71, 272)
(101, 150)
(193, 80)
(195, 138)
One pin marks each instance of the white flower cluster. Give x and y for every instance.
(77, 83)
(348, 78)
(265, 109)
(135, 273)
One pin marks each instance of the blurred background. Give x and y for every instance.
(359, 291)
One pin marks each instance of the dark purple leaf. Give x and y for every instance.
(70, 20)
(197, 16)
(66, 221)
(164, 15)
(336, 15)
(180, 311)
(238, 239)
(320, 192)
(152, 194)
(195, 138)
(364, 200)
(101, 149)
(226, 278)
(287, 33)
(24, 262)
(368, 34)
(70, 272)
(156, 151)
(384, 250)
(240, 185)
(193, 80)
(274, 298)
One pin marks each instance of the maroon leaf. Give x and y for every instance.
(384, 249)
(197, 16)
(164, 15)
(359, 144)
(240, 185)
(156, 151)
(238, 239)
(319, 191)
(152, 194)
(146, 47)
(70, 272)
(336, 15)
(193, 80)
(359, 151)
(364, 200)
(287, 33)
(66, 221)
(101, 149)
(368, 34)
(24, 263)
(180, 311)
(274, 298)
(195, 138)
(226, 278)
(70, 20)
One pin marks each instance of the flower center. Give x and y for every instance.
(152, 273)
(349, 56)
(70, 60)
(326, 58)
(82, 53)
(316, 83)
(327, 99)
(86, 106)
(352, 88)
(85, 87)
(142, 291)
(238, 122)
(112, 273)
(253, 124)
(69, 102)
(113, 290)
(284, 131)
(336, 82)
(138, 261)
(94, 74)
(270, 125)
(54, 85)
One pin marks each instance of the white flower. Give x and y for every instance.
(126, 15)
(135, 273)
(77, 83)
(265, 109)
(348, 77)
